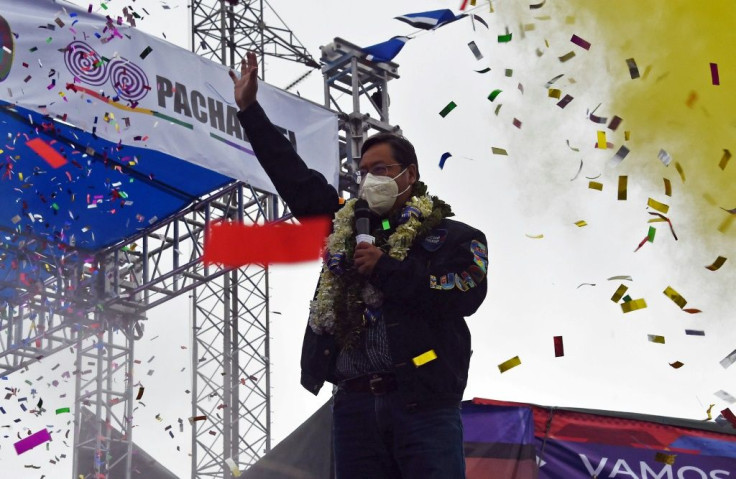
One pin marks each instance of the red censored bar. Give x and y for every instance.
(236, 244)
(44, 150)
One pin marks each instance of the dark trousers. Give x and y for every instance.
(376, 437)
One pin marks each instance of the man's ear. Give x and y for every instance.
(412, 170)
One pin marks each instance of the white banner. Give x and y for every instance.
(126, 86)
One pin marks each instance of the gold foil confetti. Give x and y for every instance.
(675, 296)
(499, 151)
(653, 338)
(567, 56)
(679, 169)
(633, 305)
(710, 408)
(581, 223)
(554, 93)
(594, 185)
(665, 458)
(624, 277)
(540, 236)
(724, 159)
(620, 291)
(656, 205)
(511, 363)
(667, 187)
(623, 182)
(424, 358)
(601, 140)
(717, 264)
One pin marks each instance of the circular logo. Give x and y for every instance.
(8, 50)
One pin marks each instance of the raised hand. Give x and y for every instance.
(246, 87)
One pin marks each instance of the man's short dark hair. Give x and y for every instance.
(402, 149)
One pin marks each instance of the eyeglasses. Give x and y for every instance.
(375, 170)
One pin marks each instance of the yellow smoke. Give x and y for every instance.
(674, 105)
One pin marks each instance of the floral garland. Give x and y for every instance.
(345, 298)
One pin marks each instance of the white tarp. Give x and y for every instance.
(106, 76)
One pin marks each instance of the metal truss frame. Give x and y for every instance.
(97, 302)
(347, 72)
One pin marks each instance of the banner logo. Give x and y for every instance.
(127, 79)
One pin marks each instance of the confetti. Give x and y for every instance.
(580, 42)
(694, 332)
(145, 52)
(665, 458)
(63, 410)
(715, 78)
(730, 417)
(45, 151)
(444, 158)
(675, 297)
(474, 48)
(633, 305)
(536, 6)
(594, 185)
(424, 358)
(620, 291)
(554, 93)
(559, 348)
(710, 408)
(717, 264)
(511, 363)
(724, 396)
(656, 205)
(565, 101)
(517, 123)
(633, 69)
(580, 168)
(664, 157)
(622, 277)
(728, 360)
(653, 338)
(663, 218)
(622, 187)
(724, 159)
(494, 94)
(601, 140)
(140, 393)
(679, 169)
(615, 123)
(581, 223)
(667, 187)
(540, 236)
(194, 419)
(499, 151)
(567, 56)
(233, 467)
(32, 441)
(485, 70)
(504, 38)
(677, 364)
(450, 106)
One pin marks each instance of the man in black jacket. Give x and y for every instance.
(387, 324)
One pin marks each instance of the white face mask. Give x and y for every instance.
(381, 192)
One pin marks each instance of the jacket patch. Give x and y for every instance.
(480, 254)
(435, 240)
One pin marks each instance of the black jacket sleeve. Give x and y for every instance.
(306, 191)
(452, 281)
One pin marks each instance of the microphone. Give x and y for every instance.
(363, 222)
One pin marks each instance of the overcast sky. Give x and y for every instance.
(547, 276)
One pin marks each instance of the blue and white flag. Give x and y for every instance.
(385, 51)
(430, 20)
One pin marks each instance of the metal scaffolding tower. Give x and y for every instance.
(95, 304)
